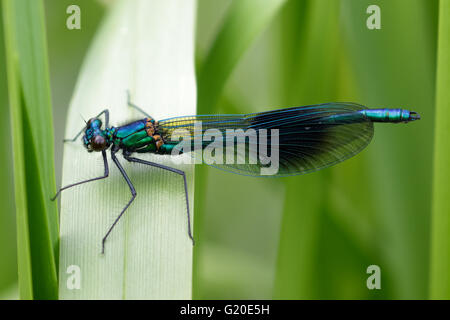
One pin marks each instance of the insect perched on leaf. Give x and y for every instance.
(302, 140)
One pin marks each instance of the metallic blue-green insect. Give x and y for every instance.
(310, 138)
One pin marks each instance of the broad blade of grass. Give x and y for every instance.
(31, 119)
(146, 47)
(440, 250)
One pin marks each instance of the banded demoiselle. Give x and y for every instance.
(309, 138)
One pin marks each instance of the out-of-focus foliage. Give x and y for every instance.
(8, 255)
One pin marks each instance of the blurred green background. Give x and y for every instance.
(309, 236)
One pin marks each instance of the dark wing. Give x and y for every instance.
(310, 138)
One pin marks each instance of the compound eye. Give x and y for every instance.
(88, 124)
(98, 143)
(94, 122)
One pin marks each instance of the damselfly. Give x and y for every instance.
(304, 139)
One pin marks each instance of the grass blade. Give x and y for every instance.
(146, 47)
(29, 92)
(8, 236)
(440, 246)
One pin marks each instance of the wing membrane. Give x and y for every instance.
(310, 138)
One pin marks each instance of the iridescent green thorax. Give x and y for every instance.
(390, 115)
(137, 136)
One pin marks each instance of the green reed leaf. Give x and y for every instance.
(31, 118)
(440, 246)
(8, 235)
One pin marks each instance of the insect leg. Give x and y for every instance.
(105, 162)
(133, 195)
(106, 112)
(180, 172)
(135, 106)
